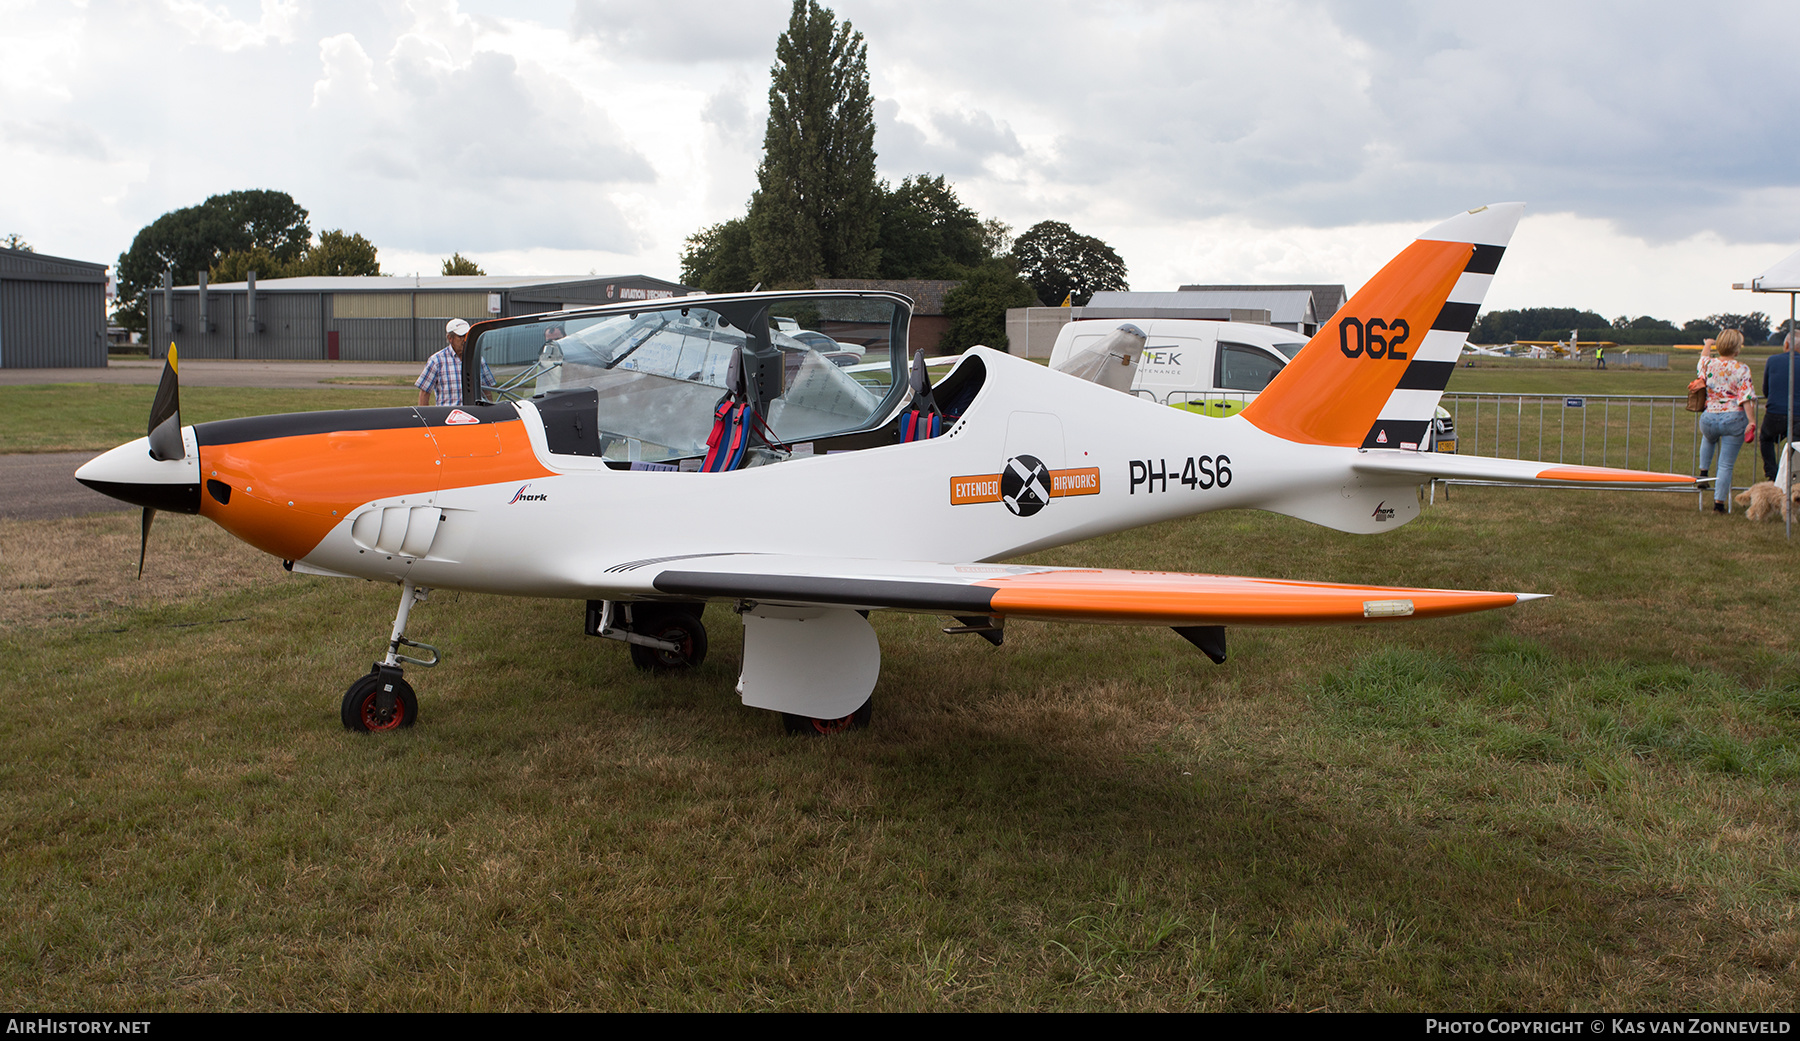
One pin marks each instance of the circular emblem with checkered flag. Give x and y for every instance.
(1025, 486)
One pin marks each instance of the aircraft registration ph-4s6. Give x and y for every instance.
(777, 451)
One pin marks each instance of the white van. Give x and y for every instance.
(1210, 367)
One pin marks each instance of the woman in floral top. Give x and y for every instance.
(1729, 422)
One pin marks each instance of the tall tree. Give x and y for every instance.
(1058, 260)
(13, 241)
(816, 211)
(195, 238)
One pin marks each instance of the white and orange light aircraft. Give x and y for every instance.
(702, 448)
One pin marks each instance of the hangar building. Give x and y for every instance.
(52, 312)
(377, 318)
(1285, 309)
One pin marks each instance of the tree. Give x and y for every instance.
(195, 238)
(261, 218)
(336, 253)
(977, 307)
(13, 241)
(339, 252)
(718, 259)
(816, 210)
(237, 265)
(926, 231)
(1533, 323)
(996, 237)
(1754, 326)
(461, 265)
(1057, 261)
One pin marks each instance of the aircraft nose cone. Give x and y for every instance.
(128, 473)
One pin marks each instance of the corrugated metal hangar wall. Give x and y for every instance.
(52, 312)
(364, 319)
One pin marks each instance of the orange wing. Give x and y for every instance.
(1056, 594)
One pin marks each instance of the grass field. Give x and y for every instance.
(72, 417)
(1582, 803)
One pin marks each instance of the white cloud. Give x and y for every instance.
(1282, 139)
(56, 139)
(682, 32)
(214, 26)
(347, 74)
(957, 143)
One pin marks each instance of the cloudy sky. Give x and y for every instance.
(1654, 143)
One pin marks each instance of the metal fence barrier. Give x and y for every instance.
(1634, 431)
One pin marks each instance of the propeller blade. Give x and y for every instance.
(144, 539)
(165, 417)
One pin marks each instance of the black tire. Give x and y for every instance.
(810, 727)
(362, 712)
(677, 627)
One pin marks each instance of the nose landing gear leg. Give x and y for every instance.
(383, 700)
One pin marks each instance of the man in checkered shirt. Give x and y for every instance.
(443, 375)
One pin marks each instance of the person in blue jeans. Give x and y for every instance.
(1729, 422)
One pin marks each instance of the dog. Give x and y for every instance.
(1763, 501)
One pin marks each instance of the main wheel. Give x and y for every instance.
(858, 720)
(679, 628)
(362, 710)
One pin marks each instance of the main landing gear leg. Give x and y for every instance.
(383, 700)
(664, 637)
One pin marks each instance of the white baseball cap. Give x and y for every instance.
(457, 326)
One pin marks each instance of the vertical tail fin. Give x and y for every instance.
(1372, 375)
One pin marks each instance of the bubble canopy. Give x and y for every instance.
(808, 364)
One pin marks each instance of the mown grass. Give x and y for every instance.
(1573, 378)
(1582, 803)
(92, 417)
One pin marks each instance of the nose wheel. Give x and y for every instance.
(383, 700)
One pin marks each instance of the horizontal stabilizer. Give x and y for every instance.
(1431, 466)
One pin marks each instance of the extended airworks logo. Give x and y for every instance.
(1025, 486)
(520, 496)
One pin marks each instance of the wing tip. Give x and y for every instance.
(1610, 475)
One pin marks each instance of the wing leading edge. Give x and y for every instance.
(1060, 594)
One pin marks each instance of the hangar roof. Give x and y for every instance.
(424, 283)
(24, 265)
